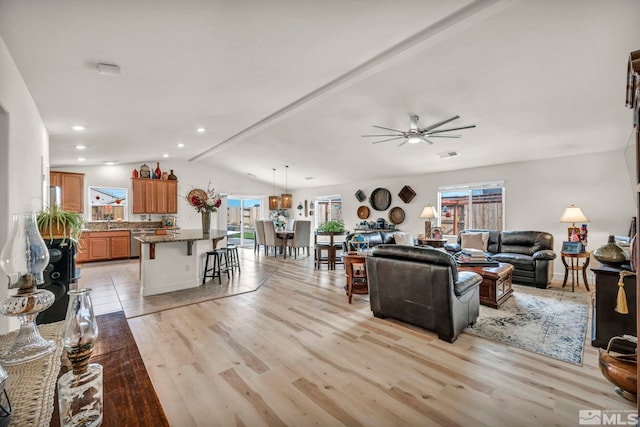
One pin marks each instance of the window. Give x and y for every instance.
(328, 208)
(467, 206)
(108, 204)
(242, 212)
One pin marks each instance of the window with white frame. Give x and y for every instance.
(471, 206)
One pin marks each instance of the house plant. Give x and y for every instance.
(334, 226)
(55, 222)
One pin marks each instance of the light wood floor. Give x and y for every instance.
(295, 353)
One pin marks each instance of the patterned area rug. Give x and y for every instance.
(544, 321)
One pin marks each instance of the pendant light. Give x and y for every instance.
(286, 197)
(274, 200)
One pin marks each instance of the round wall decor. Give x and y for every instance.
(363, 212)
(396, 215)
(380, 199)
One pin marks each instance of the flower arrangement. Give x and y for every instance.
(204, 201)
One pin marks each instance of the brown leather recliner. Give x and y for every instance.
(423, 287)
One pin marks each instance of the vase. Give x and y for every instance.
(610, 253)
(165, 176)
(158, 171)
(206, 223)
(172, 177)
(80, 390)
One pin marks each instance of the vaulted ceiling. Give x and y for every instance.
(279, 82)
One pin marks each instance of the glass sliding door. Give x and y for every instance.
(242, 213)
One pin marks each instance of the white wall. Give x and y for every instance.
(536, 194)
(24, 148)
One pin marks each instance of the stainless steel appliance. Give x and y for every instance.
(55, 195)
(134, 244)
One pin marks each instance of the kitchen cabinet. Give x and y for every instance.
(154, 196)
(82, 254)
(104, 246)
(72, 185)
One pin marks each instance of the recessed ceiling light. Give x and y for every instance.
(80, 147)
(200, 130)
(81, 159)
(78, 128)
(180, 145)
(110, 162)
(165, 155)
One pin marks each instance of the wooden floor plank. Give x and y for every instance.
(294, 352)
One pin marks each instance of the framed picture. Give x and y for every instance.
(571, 247)
(436, 233)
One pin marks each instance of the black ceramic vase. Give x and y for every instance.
(610, 254)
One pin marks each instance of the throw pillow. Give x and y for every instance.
(472, 241)
(402, 238)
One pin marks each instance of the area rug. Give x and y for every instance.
(549, 322)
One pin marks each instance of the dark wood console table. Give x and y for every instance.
(129, 397)
(608, 323)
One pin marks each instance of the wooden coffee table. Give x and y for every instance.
(496, 283)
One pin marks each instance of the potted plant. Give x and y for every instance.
(56, 222)
(334, 226)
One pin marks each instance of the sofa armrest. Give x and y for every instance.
(452, 248)
(545, 254)
(467, 280)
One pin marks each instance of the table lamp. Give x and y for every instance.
(428, 212)
(573, 214)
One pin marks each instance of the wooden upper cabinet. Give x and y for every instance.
(72, 185)
(154, 196)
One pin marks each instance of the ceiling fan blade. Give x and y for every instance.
(427, 141)
(445, 136)
(403, 142)
(450, 129)
(383, 135)
(394, 130)
(385, 140)
(435, 125)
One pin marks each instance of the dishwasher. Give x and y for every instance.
(135, 244)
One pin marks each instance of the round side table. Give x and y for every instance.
(575, 267)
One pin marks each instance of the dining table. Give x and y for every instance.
(285, 235)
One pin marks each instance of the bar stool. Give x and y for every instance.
(320, 259)
(233, 259)
(216, 267)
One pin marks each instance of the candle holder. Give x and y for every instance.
(23, 258)
(80, 394)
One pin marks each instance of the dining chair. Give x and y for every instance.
(301, 237)
(260, 240)
(290, 226)
(270, 238)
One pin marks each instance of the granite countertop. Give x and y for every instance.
(181, 236)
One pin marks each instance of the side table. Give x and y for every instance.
(575, 267)
(434, 243)
(355, 266)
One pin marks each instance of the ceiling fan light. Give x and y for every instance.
(415, 140)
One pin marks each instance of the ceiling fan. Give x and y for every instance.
(415, 134)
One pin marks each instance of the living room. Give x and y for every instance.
(569, 128)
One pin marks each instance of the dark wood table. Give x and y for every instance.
(496, 283)
(129, 398)
(330, 246)
(284, 235)
(575, 267)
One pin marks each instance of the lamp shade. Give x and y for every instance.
(274, 201)
(429, 212)
(573, 214)
(285, 199)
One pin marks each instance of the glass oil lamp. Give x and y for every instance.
(23, 259)
(80, 394)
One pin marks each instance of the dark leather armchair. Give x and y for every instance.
(423, 287)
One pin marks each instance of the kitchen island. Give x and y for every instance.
(174, 261)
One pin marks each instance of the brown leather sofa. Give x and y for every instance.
(530, 253)
(423, 287)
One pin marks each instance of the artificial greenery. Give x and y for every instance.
(332, 226)
(69, 223)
